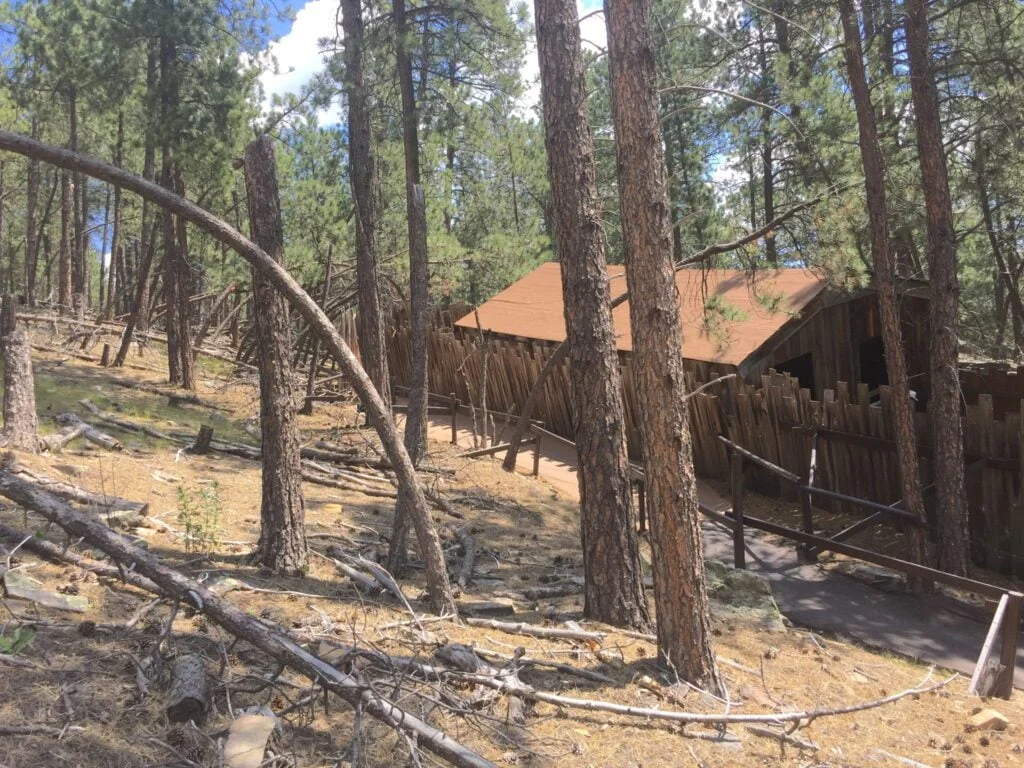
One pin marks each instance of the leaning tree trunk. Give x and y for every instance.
(139, 317)
(950, 532)
(282, 544)
(684, 631)
(20, 428)
(439, 590)
(363, 174)
(613, 578)
(419, 285)
(885, 280)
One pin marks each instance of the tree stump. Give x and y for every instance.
(105, 357)
(188, 690)
(20, 427)
(202, 443)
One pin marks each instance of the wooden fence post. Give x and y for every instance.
(739, 555)
(453, 401)
(1008, 650)
(807, 502)
(536, 455)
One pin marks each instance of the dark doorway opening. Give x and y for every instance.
(800, 368)
(873, 370)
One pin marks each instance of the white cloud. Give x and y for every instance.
(593, 35)
(298, 56)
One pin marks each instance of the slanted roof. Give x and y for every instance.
(754, 309)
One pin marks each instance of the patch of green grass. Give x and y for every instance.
(59, 391)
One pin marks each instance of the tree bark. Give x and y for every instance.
(419, 282)
(438, 586)
(115, 238)
(64, 253)
(950, 532)
(183, 277)
(282, 543)
(683, 627)
(314, 355)
(613, 578)
(31, 239)
(885, 280)
(363, 174)
(139, 318)
(20, 426)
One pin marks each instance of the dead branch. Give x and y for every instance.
(799, 719)
(783, 737)
(271, 640)
(90, 432)
(521, 628)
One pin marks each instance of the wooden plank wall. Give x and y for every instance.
(770, 417)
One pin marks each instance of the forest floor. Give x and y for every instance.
(87, 681)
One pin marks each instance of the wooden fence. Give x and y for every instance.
(773, 418)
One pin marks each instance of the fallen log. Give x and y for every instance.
(55, 443)
(50, 551)
(271, 640)
(189, 691)
(69, 492)
(90, 433)
(331, 482)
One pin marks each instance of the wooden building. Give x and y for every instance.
(787, 319)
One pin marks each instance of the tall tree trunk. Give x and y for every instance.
(20, 427)
(680, 593)
(31, 239)
(78, 238)
(419, 283)
(614, 590)
(885, 280)
(103, 249)
(183, 277)
(950, 533)
(363, 173)
(314, 354)
(1010, 293)
(282, 543)
(170, 282)
(115, 238)
(139, 318)
(67, 194)
(6, 274)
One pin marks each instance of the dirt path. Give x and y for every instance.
(935, 629)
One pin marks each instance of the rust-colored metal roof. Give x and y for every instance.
(749, 310)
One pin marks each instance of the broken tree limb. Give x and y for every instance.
(90, 432)
(521, 628)
(55, 443)
(271, 640)
(438, 587)
(52, 552)
(189, 691)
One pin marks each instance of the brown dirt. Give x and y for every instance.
(528, 535)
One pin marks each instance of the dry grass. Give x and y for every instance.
(528, 535)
